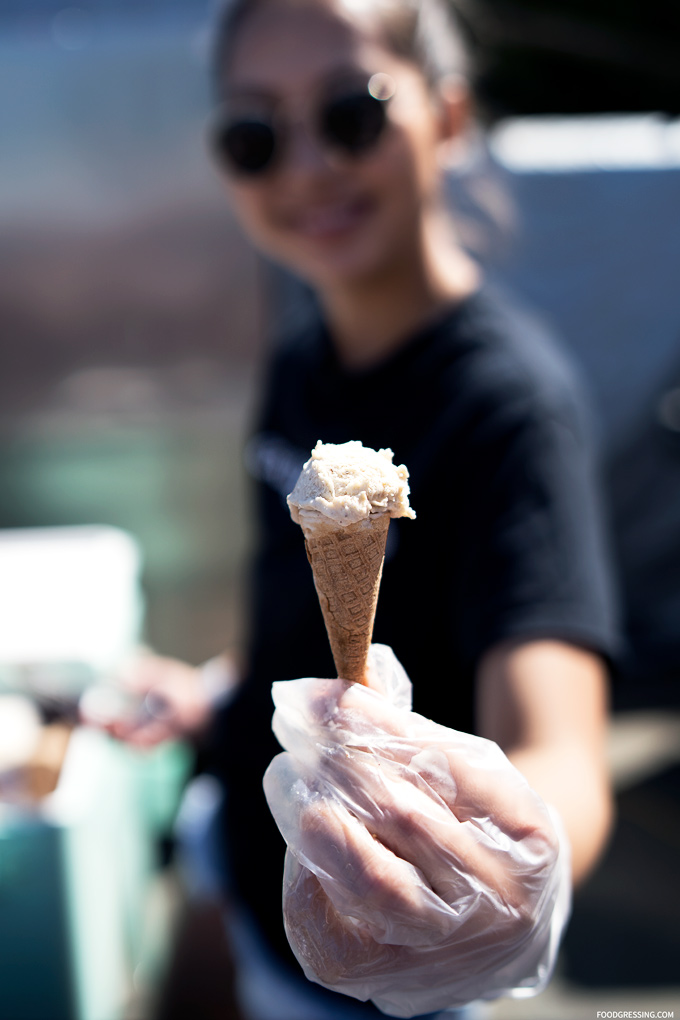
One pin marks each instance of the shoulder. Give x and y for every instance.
(512, 366)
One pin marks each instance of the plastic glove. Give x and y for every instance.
(422, 871)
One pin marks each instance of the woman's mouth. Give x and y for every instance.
(331, 219)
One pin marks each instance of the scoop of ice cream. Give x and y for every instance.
(346, 483)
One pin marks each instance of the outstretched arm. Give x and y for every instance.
(423, 871)
(545, 704)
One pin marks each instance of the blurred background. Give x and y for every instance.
(133, 324)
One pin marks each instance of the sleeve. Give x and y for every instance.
(538, 565)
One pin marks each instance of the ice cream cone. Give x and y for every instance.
(347, 565)
(343, 500)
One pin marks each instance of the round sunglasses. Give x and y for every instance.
(349, 124)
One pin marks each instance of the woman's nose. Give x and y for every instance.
(305, 152)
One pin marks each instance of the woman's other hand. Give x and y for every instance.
(154, 698)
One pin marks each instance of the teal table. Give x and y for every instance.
(75, 879)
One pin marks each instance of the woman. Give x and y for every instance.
(336, 118)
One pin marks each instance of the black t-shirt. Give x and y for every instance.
(484, 412)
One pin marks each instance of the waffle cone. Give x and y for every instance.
(347, 565)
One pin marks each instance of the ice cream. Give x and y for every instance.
(343, 500)
(347, 483)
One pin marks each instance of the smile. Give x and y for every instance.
(332, 219)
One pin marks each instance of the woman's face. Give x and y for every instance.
(330, 217)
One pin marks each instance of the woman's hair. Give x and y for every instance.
(424, 32)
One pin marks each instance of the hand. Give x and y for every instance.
(422, 870)
(155, 699)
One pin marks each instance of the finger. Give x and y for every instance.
(456, 858)
(138, 673)
(367, 881)
(471, 774)
(327, 944)
(343, 955)
(364, 879)
(144, 734)
(502, 795)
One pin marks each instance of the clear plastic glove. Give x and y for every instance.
(422, 871)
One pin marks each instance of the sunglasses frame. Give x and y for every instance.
(378, 91)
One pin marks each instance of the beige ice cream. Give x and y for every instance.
(346, 484)
(343, 500)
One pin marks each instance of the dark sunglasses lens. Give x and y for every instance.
(353, 123)
(245, 146)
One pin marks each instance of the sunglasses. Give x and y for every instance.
(349, 125)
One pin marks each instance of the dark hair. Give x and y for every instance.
(426, 32)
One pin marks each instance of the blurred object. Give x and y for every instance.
(622, 946)
(43, 770)
(129, 308)
(557, 56)
(76, 882)
(118, 246)
(167, 289)
(102, 704)
(596, 249)
(107, 127)
(534, 55)
(200, 977)
(624, 930)
(641, 745)
(19, 730)
(643, 480)
(587, 144)
(80, 816)
(199, 981)
(169, 475)
(562, 1001)
(37, 774)
(70, 605)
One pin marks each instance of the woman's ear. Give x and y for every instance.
(455, 106)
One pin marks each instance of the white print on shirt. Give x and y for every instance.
(273, 460)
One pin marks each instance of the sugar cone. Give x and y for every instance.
(347, 565)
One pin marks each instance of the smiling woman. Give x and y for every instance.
(336, 119)
(332, 138)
